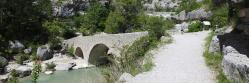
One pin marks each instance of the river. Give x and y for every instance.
(89, 75)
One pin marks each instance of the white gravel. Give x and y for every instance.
(179, 62)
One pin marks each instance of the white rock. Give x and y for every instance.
(11, 66)
(214, 45)
(235, 67)
(63, 66)
(125, 77)
(229, 49)
(23, 70)
(48, 72)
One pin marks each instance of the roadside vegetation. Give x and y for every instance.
(213, 60)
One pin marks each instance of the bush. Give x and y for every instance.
(114, 22)
(35, 71)
(21, 57)
(195, 27)
(188, 5)
(34, 57)
(155, 25)
(14, 77)
(220, 16)
(70, 51)
(50, 66)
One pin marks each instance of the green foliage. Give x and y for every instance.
(220, 16)
(50, 66)
(55, 27)
(94, 18)
(35, 71)
(114, 22)
(13, 77)
(33, 57)
(213, 60)
(70, 50)
(130, 10)
(132, 55)
(21, 57)
(195, 27)
(155, 25)
(188, 5)
(22, 19)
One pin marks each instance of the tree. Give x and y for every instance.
(114, 22)
(35, 72)
(94, 18)
(22, 19)
(130, 9)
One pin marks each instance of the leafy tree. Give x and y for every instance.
(94, 18)
(130, 9)
(35, 71)
(114, 22)
(22, 19)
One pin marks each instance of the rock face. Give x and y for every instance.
(215, 45)
(23, 71)
(162, 4)
(235, 66)
(199, 13)
(44, 53)
(195, 14)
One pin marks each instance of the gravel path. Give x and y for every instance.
(179, 62)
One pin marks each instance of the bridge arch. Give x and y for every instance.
(98, 55)
(78, 52)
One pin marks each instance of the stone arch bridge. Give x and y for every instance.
(93, 48)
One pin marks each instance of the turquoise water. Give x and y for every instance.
(90, 75)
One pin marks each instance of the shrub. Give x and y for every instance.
(50, 66)
(13, 77)
(35, 71)
(21, 57)
(195, 27)
(220, 16)
(114, 22)
(33, 57)
(70, 51)
(188, 5)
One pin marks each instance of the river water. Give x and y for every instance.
(89, 75)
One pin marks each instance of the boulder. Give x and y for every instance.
(214, 45)
(235, 67)
(44, 53)
(4, 78)
(28, 50)
(23, 71)
(125, 77)
(182, 15)
(16, 44)
(64, 66)
(11, 66)
(48, 72)
(229, 49)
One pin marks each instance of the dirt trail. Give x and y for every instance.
(179, 62)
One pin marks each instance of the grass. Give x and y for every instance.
(134, 59)
(213, 60)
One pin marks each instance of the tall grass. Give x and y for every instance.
(213, 60)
